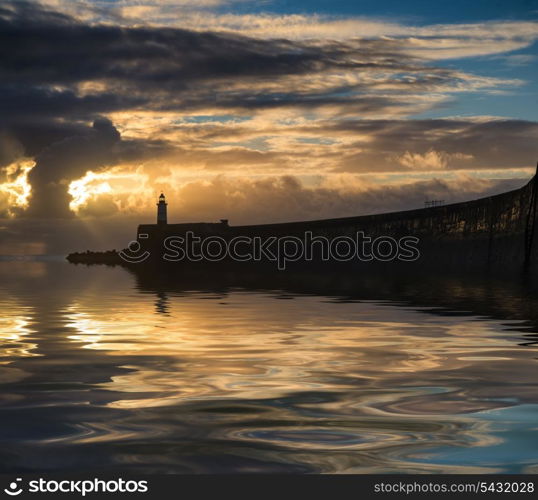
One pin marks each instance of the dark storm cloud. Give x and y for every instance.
(20, 101)
(44, 56)
(10, 150)
(38, 116)
(33, 136)
(40, 48)
(56, 71)
(67, 160)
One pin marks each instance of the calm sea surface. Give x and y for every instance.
(101, 369)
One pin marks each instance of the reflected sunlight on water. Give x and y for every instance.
(99, 371)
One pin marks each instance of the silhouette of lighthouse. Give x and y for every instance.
(161, 210)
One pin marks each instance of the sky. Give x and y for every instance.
(255, 111)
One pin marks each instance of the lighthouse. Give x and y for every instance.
(161, 210)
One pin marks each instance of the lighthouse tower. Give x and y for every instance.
(161, 210)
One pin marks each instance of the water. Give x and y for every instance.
(104, 370)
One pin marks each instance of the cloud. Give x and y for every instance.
(439, 41)
(436, 41)
(66, 160)
(291, 96)
(14, 187)
(431, 160)
(456, 143)
(10, 149)
(349, 145)
(267, 199)
(54, 65)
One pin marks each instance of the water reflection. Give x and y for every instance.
(245, 373)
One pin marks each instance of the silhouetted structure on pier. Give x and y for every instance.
(495, 233)
(162, 217)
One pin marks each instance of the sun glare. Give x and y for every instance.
(83, 189)
(17, 188)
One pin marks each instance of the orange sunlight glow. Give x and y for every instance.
(81, 190)
(17, 188)
(131, 191)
